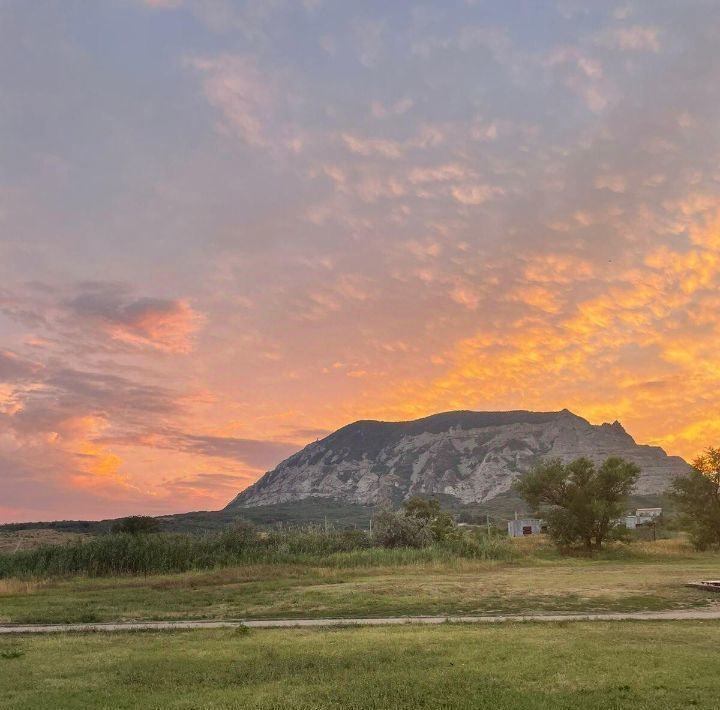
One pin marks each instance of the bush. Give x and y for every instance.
(441, 523)
(393, 529)
(420, 523)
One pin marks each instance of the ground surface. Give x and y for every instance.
(639, 665)
(286, 591)
(712, 614)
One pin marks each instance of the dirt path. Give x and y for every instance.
(680, 615)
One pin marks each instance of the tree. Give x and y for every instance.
(698, 497)
(137, 525)
(428, 512)
(580, 502)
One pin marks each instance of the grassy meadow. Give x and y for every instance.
(598, 665)
(378, 582)
(313, 573)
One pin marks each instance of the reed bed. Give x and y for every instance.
(127, 554)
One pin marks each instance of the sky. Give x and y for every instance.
(229, 227)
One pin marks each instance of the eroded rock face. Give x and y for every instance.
(471, 456)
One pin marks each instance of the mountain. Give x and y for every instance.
(465, 457)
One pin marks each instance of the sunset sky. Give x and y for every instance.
(228, 227)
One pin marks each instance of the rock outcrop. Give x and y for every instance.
(467, 456)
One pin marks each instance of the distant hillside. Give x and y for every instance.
(460, 457)
(309, 511)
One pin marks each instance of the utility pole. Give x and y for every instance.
(487, 522)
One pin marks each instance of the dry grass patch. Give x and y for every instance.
(18, 586)
(30, 539)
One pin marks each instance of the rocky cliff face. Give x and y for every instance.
(470, 456)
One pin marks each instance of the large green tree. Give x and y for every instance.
(579, 501)
(698, 497)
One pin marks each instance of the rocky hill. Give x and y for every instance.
(468, 456)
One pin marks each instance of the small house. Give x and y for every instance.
(642, 516)
(526, 526)
(647, 515)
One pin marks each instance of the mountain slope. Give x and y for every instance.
(468, 456)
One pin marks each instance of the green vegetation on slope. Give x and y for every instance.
(314, 511)
(311, 511)
(589, 666)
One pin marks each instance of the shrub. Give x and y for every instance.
(428, 512)
(394, 529)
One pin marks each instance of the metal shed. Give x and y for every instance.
(525, 526)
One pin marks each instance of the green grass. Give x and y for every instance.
(592, 666)
(418, 583)
(529, 578)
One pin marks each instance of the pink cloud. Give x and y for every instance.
(234, 85)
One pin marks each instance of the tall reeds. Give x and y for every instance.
(128, 554)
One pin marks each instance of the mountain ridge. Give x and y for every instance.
(469, 456)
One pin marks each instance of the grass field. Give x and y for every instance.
(653, 665)
(377, 583)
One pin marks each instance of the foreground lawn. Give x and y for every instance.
(435, 587)
(515, 666)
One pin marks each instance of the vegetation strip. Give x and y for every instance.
(685, 615)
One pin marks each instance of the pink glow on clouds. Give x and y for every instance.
(242, 237)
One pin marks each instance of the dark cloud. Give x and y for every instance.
(103, 316)
(253, 452)
(212, 481)
(111, 393)
(159, 322)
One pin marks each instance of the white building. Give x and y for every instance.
(642, 516)
(526, 526)
(645, 515)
